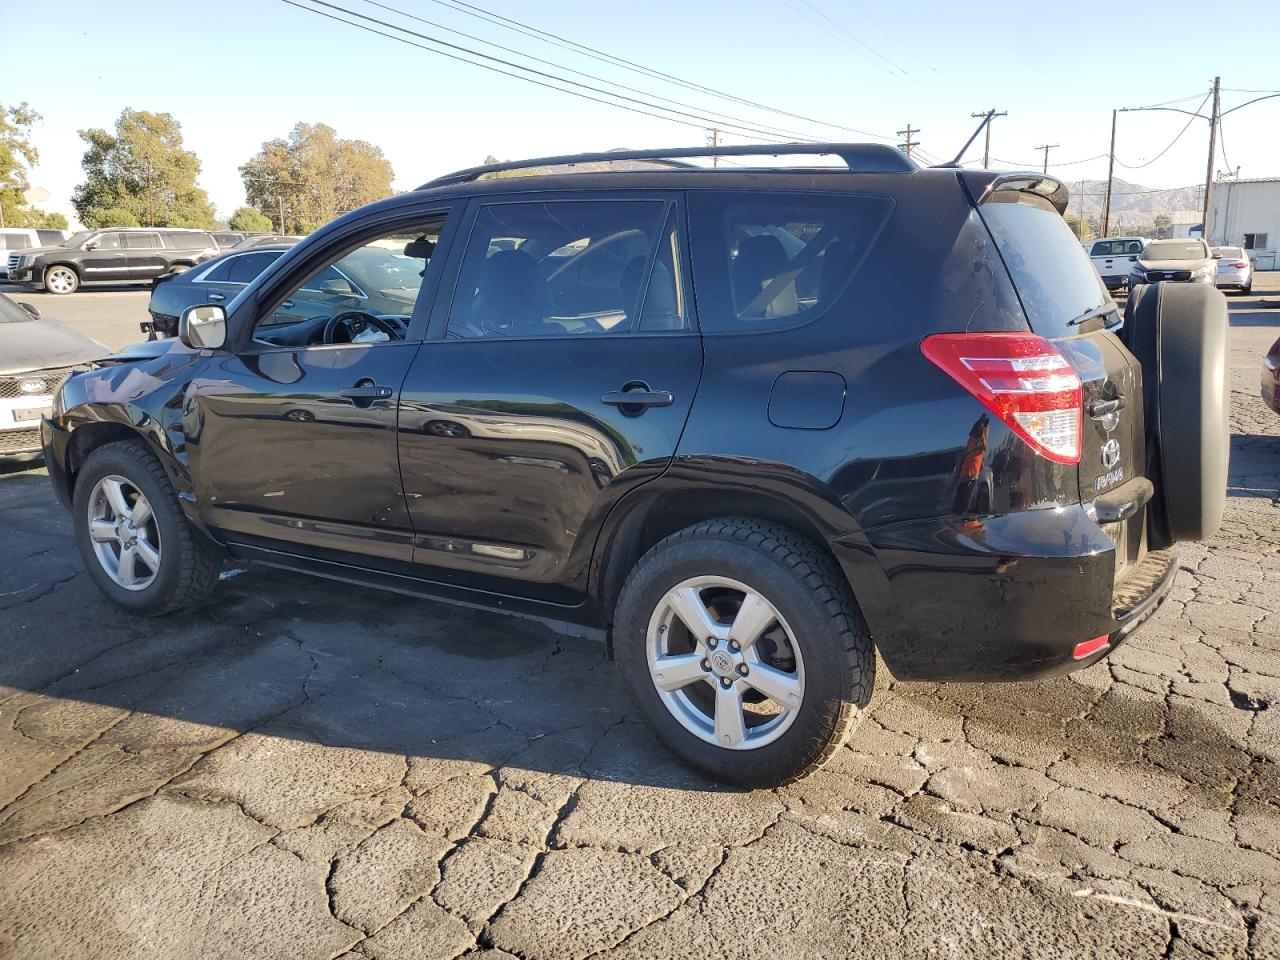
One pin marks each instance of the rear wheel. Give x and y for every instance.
(61, 279)
(742, 646)
(134, 540)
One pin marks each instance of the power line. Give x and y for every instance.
(1185, 128)
(885, 30)
(1061, 163)
(1046, 147)
(764, 135)
(508, 23)
(778, 131)
(863, 44)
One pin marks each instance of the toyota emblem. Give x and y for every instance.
(32, 386)
(1110, 453)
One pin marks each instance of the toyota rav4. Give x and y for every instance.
(694, 412)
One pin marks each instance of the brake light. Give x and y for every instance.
(1240, 265)
(1021, 378)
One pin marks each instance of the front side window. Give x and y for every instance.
(558, 268)
(110, 241)
(765, 262)
(366, 295)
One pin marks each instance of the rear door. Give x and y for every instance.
(1030, 233)
(559, 378)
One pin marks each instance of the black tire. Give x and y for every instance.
(1179, 333)
(808, 591)
(67, 280)
(189, 565)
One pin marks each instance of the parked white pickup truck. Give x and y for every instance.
(1114, 257)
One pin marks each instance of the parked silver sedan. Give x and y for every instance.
(1235, 271)
(36, 355)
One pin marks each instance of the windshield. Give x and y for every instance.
(1174, 250)
(1229, 253)
(382, 271)
(76, 239)
(10, 312)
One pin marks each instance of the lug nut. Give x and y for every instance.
(742, 669)
(711, 642)
(706, 665)
(733, 645)
(726, 682)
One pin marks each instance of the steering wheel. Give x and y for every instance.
(346, 326)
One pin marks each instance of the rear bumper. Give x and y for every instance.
(998, 598)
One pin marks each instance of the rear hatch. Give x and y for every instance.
(1065, 303)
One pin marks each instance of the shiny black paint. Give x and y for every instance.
(508, 447)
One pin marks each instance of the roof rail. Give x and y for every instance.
(859, 157)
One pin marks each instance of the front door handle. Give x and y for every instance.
(216, 298)
(365, 392)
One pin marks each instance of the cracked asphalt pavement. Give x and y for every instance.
(304, 769)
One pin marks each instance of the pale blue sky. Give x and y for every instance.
(239, 72)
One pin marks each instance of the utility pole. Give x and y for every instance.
(280, 200)
(908, 144)
(715, 142)
(1046, 147)
(1111, 174)
(1213, 145)
(1081, 224)
(986, 149)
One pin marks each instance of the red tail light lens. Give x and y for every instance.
(1023, 379)
(1240, 265)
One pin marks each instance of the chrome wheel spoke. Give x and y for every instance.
(784, 689)
(113, 490)
(102, 531)
(688, 606)
(126, 570)
(148, 554)
(672, 673)
(730, 724)
(755, 616)
(141, 512)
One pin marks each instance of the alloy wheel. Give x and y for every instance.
(725, 663)
(123, 533)
(60, 279)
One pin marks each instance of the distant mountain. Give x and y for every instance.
(1135, 203)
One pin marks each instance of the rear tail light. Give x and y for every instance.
(1240, 265)
(1023, 379)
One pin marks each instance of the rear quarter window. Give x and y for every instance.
(188, 240)
(769, 261)
(1053, 277)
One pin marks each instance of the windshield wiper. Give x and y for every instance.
(1093, 313)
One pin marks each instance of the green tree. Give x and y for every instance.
(250, 220)
(317, 176)
(141, 169)
(17, 156)
(114, 217)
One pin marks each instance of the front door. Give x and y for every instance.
(107, 258)
(564, 371)
(293, 439)
(146, 255)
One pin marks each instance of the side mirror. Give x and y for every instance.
(203, 327)
(91, 244)
(1133, 258)
(337, 288)
(31, 309)
(1217, 256)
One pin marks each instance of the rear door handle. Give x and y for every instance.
(363, 391)
(640, 397)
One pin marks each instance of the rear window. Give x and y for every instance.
(1054, 279)
(50, 238)
(14, 241)
(768, 261)
(188, 240)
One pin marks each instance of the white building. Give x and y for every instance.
(1246, 213)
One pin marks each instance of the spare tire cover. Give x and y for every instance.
(1179, 333)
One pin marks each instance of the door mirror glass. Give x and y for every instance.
(203, 327)
(337, 288)
(1217, 256)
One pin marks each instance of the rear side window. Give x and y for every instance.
(219, 274)
(188, 240)
(564, 267)
(766, 261)
(1054, 279)
(246, 269)
(142, 241)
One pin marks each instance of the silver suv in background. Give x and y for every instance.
(1235, 270)
(1175, 261)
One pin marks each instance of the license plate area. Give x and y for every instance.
(23, 414)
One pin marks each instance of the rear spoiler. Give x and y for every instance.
(982, 183)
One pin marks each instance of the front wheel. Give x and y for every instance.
(135, 542)
(61, 280)
(742, 646)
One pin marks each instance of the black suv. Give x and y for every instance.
(130, 255)
(696, 412)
